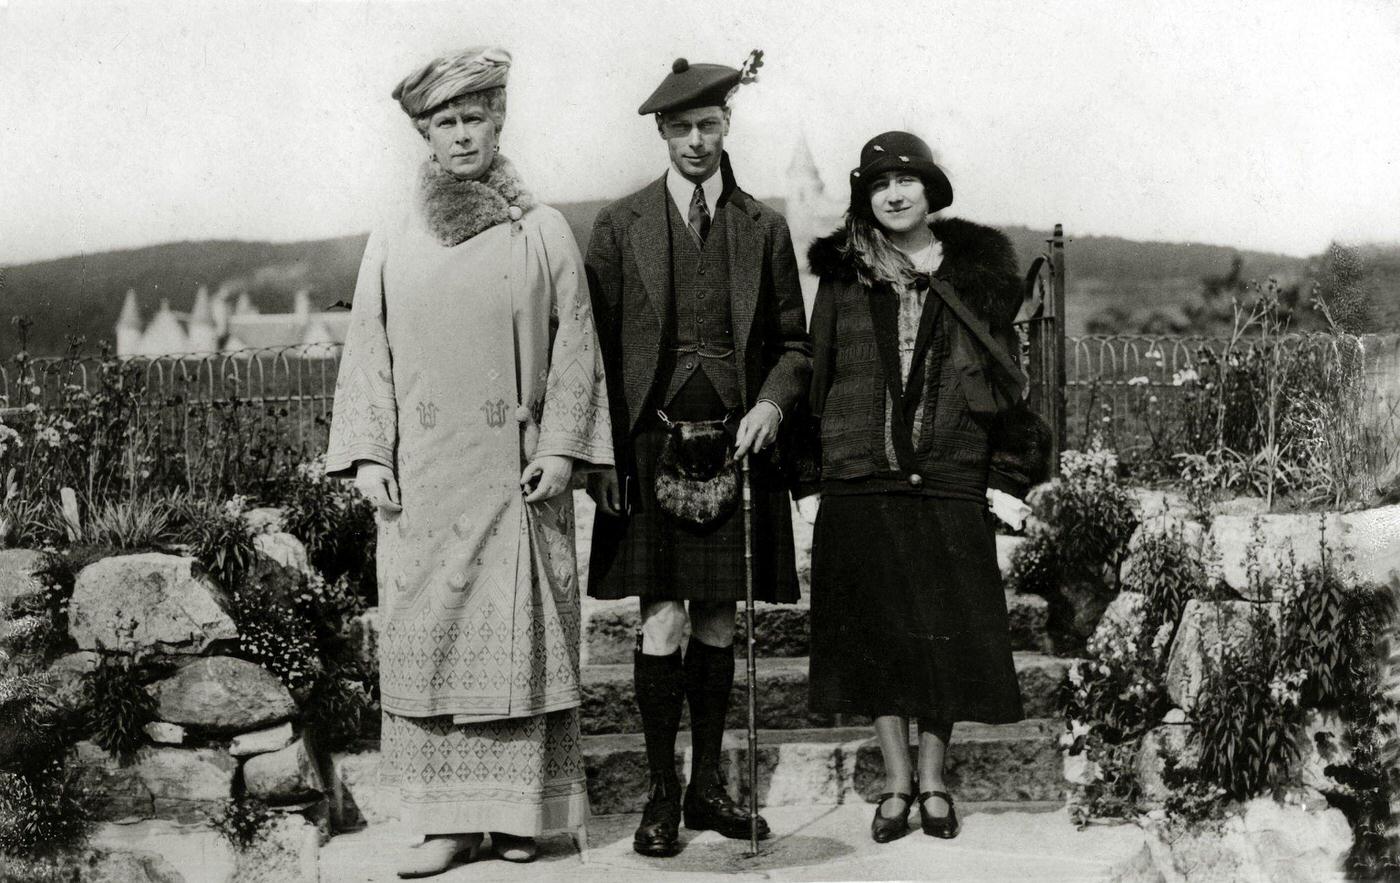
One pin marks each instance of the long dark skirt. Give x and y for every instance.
(651, 555)
(908, 611)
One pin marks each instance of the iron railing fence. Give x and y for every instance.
(240, 417)
(1146, 395)
(211, 422)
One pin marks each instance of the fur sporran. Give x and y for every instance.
(697, 481)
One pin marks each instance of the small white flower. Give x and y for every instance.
(1140, 380)
(1184, 376)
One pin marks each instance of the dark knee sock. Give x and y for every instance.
(657, 684)
(709, 678)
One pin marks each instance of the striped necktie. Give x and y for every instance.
(699, 216)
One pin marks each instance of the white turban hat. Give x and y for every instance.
(443, 79)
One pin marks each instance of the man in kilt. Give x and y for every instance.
(700, 318)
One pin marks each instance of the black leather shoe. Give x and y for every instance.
(710, 809)
(658, 835)
(941, 826)
(883, 830)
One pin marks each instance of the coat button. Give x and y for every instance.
(689, 365)
(702, 271)
(916, 479)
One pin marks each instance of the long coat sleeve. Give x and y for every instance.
(364, 423)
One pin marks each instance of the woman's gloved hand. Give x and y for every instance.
(1009, 509)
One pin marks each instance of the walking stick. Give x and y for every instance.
(753, 665)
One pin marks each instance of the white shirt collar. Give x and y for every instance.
(681, 189)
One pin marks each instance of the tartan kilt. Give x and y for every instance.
(650, 555)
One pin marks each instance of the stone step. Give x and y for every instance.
(609, 706)
(1012, 763)
(610, 628)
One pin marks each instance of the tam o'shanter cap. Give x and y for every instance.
(900, 151)
(471, 70)
(700, 85)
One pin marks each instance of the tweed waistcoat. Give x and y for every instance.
(702, 338)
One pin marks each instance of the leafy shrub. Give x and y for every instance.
(243, 821)
(134, 524)
(58, 573)
(1248, 718)
(1168, 573)
(301, 638)
(1114, 791)
(219, 539)
(44, 805)
(1090, 511)
(1192, 801)
(118, 706)
(336, 524)
(45, 811)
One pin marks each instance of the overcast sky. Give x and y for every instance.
(1270, 125)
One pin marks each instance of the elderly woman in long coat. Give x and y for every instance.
(471, 390)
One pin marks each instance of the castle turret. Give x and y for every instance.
(129, 326)
(203, 336)
(244, 306)
(803, 179)
(301, 304)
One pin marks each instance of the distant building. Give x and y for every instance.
(810, 211)
(212, 326)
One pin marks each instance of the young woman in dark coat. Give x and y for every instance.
(923, 427)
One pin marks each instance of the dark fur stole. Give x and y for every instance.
(457, 209)
(978, 261)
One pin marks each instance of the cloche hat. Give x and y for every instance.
(890, 151)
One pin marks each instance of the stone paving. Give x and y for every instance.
(811, 843)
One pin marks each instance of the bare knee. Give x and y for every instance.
(712, 622)
(663, 627)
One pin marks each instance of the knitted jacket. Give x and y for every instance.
(963, 447)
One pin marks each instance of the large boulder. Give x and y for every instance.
(265, 519)
(149, 601)
(1207, 630)
(1323, 745)
(181, 784)
(288, 852)
(1372, 536)
(360, 796)
(223, 694)
(262, 741)
(91, 864)
(1159, 742)
(283, 549)
(1367, 538)
(283, 776)
(17, 567)
(1262, 842)
(1279, 541)
(68, 675)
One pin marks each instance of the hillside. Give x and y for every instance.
(82, 295)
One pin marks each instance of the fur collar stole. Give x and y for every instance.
(456, 210)
(978, 261)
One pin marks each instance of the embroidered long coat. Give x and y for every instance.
(454, 377)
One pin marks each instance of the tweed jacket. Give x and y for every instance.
(629, 276)
(962, 449)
